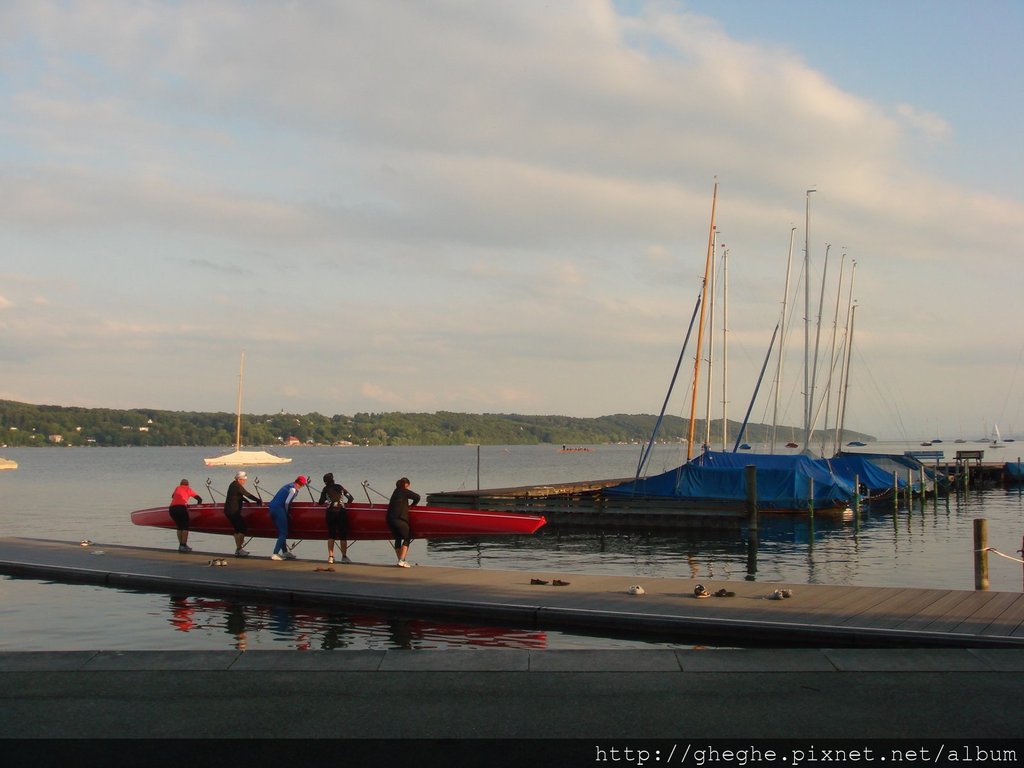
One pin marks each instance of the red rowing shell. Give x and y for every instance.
(307, 520)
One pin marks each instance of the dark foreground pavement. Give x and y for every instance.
(557, 707)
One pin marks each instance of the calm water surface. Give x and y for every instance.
(87, 493)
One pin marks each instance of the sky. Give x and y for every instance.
(505, 207)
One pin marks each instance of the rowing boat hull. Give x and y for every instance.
(307, 520)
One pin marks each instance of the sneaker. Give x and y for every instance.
(402, 564)
(345, 560)
(276, 556)
(241, 553)
(288, 556)
(184, 548)
(331, 559)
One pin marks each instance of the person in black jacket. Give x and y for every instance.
(233, 502)
(398, 518)
(337, 518)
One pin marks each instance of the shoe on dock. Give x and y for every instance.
(636, 589)
(539, 581)
(700, 592)
(241, 553)
(402, 564)
(331, 560)
(288, 556)
(345, 560)
(723, 592)
(276, 556)
(559, 583)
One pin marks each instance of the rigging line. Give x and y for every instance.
(657, 424)
(1013, 381)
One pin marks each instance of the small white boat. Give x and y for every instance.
(997, 439)
(8, 463)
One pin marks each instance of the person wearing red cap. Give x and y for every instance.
(279, 507)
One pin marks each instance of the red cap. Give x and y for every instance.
(300, 480)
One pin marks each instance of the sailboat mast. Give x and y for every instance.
(711, 344)
(817, 339)
(238, 409)
(841, 400)
(725, 347)
(832, 355)
(846, 374)
(807, 317)
(782, 340)
(700, 327)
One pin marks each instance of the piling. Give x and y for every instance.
(750, 473)
(856, 502)
(981, 553)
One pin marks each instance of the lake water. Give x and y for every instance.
(71, 494)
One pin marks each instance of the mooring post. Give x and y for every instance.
(981, 553)
(920, 474)
(895, 491)
(750, 474)
(856, 502)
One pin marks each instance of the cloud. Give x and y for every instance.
(455, 206)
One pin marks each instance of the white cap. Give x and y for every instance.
(240, 475)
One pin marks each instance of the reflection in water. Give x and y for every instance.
(304, 629)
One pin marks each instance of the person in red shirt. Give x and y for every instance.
(179, 512)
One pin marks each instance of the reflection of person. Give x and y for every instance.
(233, 502)
(398, 518)
(279, 507)
(337, 518)
(179, 512)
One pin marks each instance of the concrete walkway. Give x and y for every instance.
(599, 695)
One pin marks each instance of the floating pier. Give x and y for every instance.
(813, 615)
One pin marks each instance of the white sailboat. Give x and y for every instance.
(997, 439)
(8, 463)
(238, 457)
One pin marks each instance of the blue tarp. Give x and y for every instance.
(783, 481)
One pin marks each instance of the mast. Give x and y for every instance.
(841, 401)
(711, 345)
(782, 340)
(832, 356)
(700, 327)
(817, 337)
(725, 347)
(807, 317)
(846, 375)
(238, 409)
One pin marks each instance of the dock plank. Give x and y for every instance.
(829, 615)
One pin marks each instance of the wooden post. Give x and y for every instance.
(920, 475)
(980, 553)
(895, 491)
(856, 502)
(750, 473)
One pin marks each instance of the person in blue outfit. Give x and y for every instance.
(279, 507)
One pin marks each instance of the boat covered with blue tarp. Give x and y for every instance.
(717, 477)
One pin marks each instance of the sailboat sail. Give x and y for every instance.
(238, 457)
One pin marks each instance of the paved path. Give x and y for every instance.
(600, 695)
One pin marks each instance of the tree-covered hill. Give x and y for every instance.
(23, 424)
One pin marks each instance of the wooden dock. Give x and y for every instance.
(814, 615)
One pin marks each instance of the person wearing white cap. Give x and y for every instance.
(233, 502)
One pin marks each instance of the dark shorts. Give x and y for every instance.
(179, 514)
(401, 531)
(237, 521)
(337, 522)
